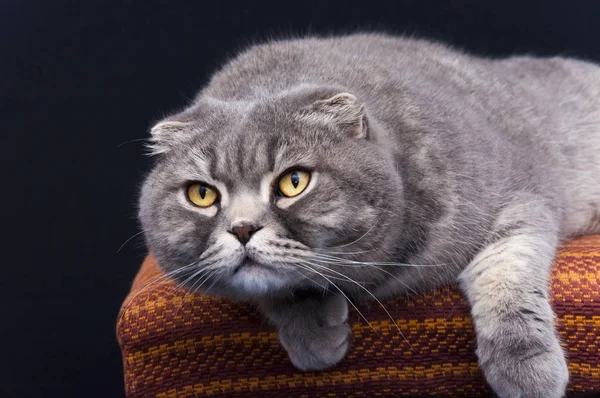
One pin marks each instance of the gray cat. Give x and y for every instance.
(312, 174)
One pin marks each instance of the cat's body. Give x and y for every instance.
(470, 168)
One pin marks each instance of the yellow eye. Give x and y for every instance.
(201, 195)
(293, 183)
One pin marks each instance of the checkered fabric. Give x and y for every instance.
(182, 345)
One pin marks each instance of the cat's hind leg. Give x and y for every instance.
(507, 287)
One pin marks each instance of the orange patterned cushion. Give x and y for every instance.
(176, 344)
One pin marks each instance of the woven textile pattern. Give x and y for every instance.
(182, 345)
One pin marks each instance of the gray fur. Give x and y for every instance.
(428, 165)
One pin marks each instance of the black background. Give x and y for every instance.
(80, 81)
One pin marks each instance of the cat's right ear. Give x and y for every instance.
(342, 112)
(166, 135)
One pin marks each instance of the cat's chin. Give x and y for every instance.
(257, 279)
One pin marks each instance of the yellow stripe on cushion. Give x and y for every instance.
(582, 321)
(585, 370)
(575, 276)
(568, 254)
(384, 328)
(349, 377)
(311, 379)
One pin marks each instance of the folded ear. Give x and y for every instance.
(166, 135)
(344, 112)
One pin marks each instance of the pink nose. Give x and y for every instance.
(244, 232)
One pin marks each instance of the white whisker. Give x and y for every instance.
(355, 262)
(130, 141)
(128, 240)
(310, 279)
(380, 269)
(371, 294)
(206, 275)
(362, 236)
(307, 267)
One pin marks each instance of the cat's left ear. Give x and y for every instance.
(344, 112)
(166, 135)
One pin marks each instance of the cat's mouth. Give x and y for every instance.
(255, 278)
(248, 264)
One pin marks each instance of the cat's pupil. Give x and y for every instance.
(202, 191)
(295, 179)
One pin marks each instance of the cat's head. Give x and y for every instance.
(254, 198)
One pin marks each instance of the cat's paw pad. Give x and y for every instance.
(541, 374)
(320, 344)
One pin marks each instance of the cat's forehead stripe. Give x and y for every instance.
(245, 157)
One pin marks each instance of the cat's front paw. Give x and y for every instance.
(318, 343)
(540, 372)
